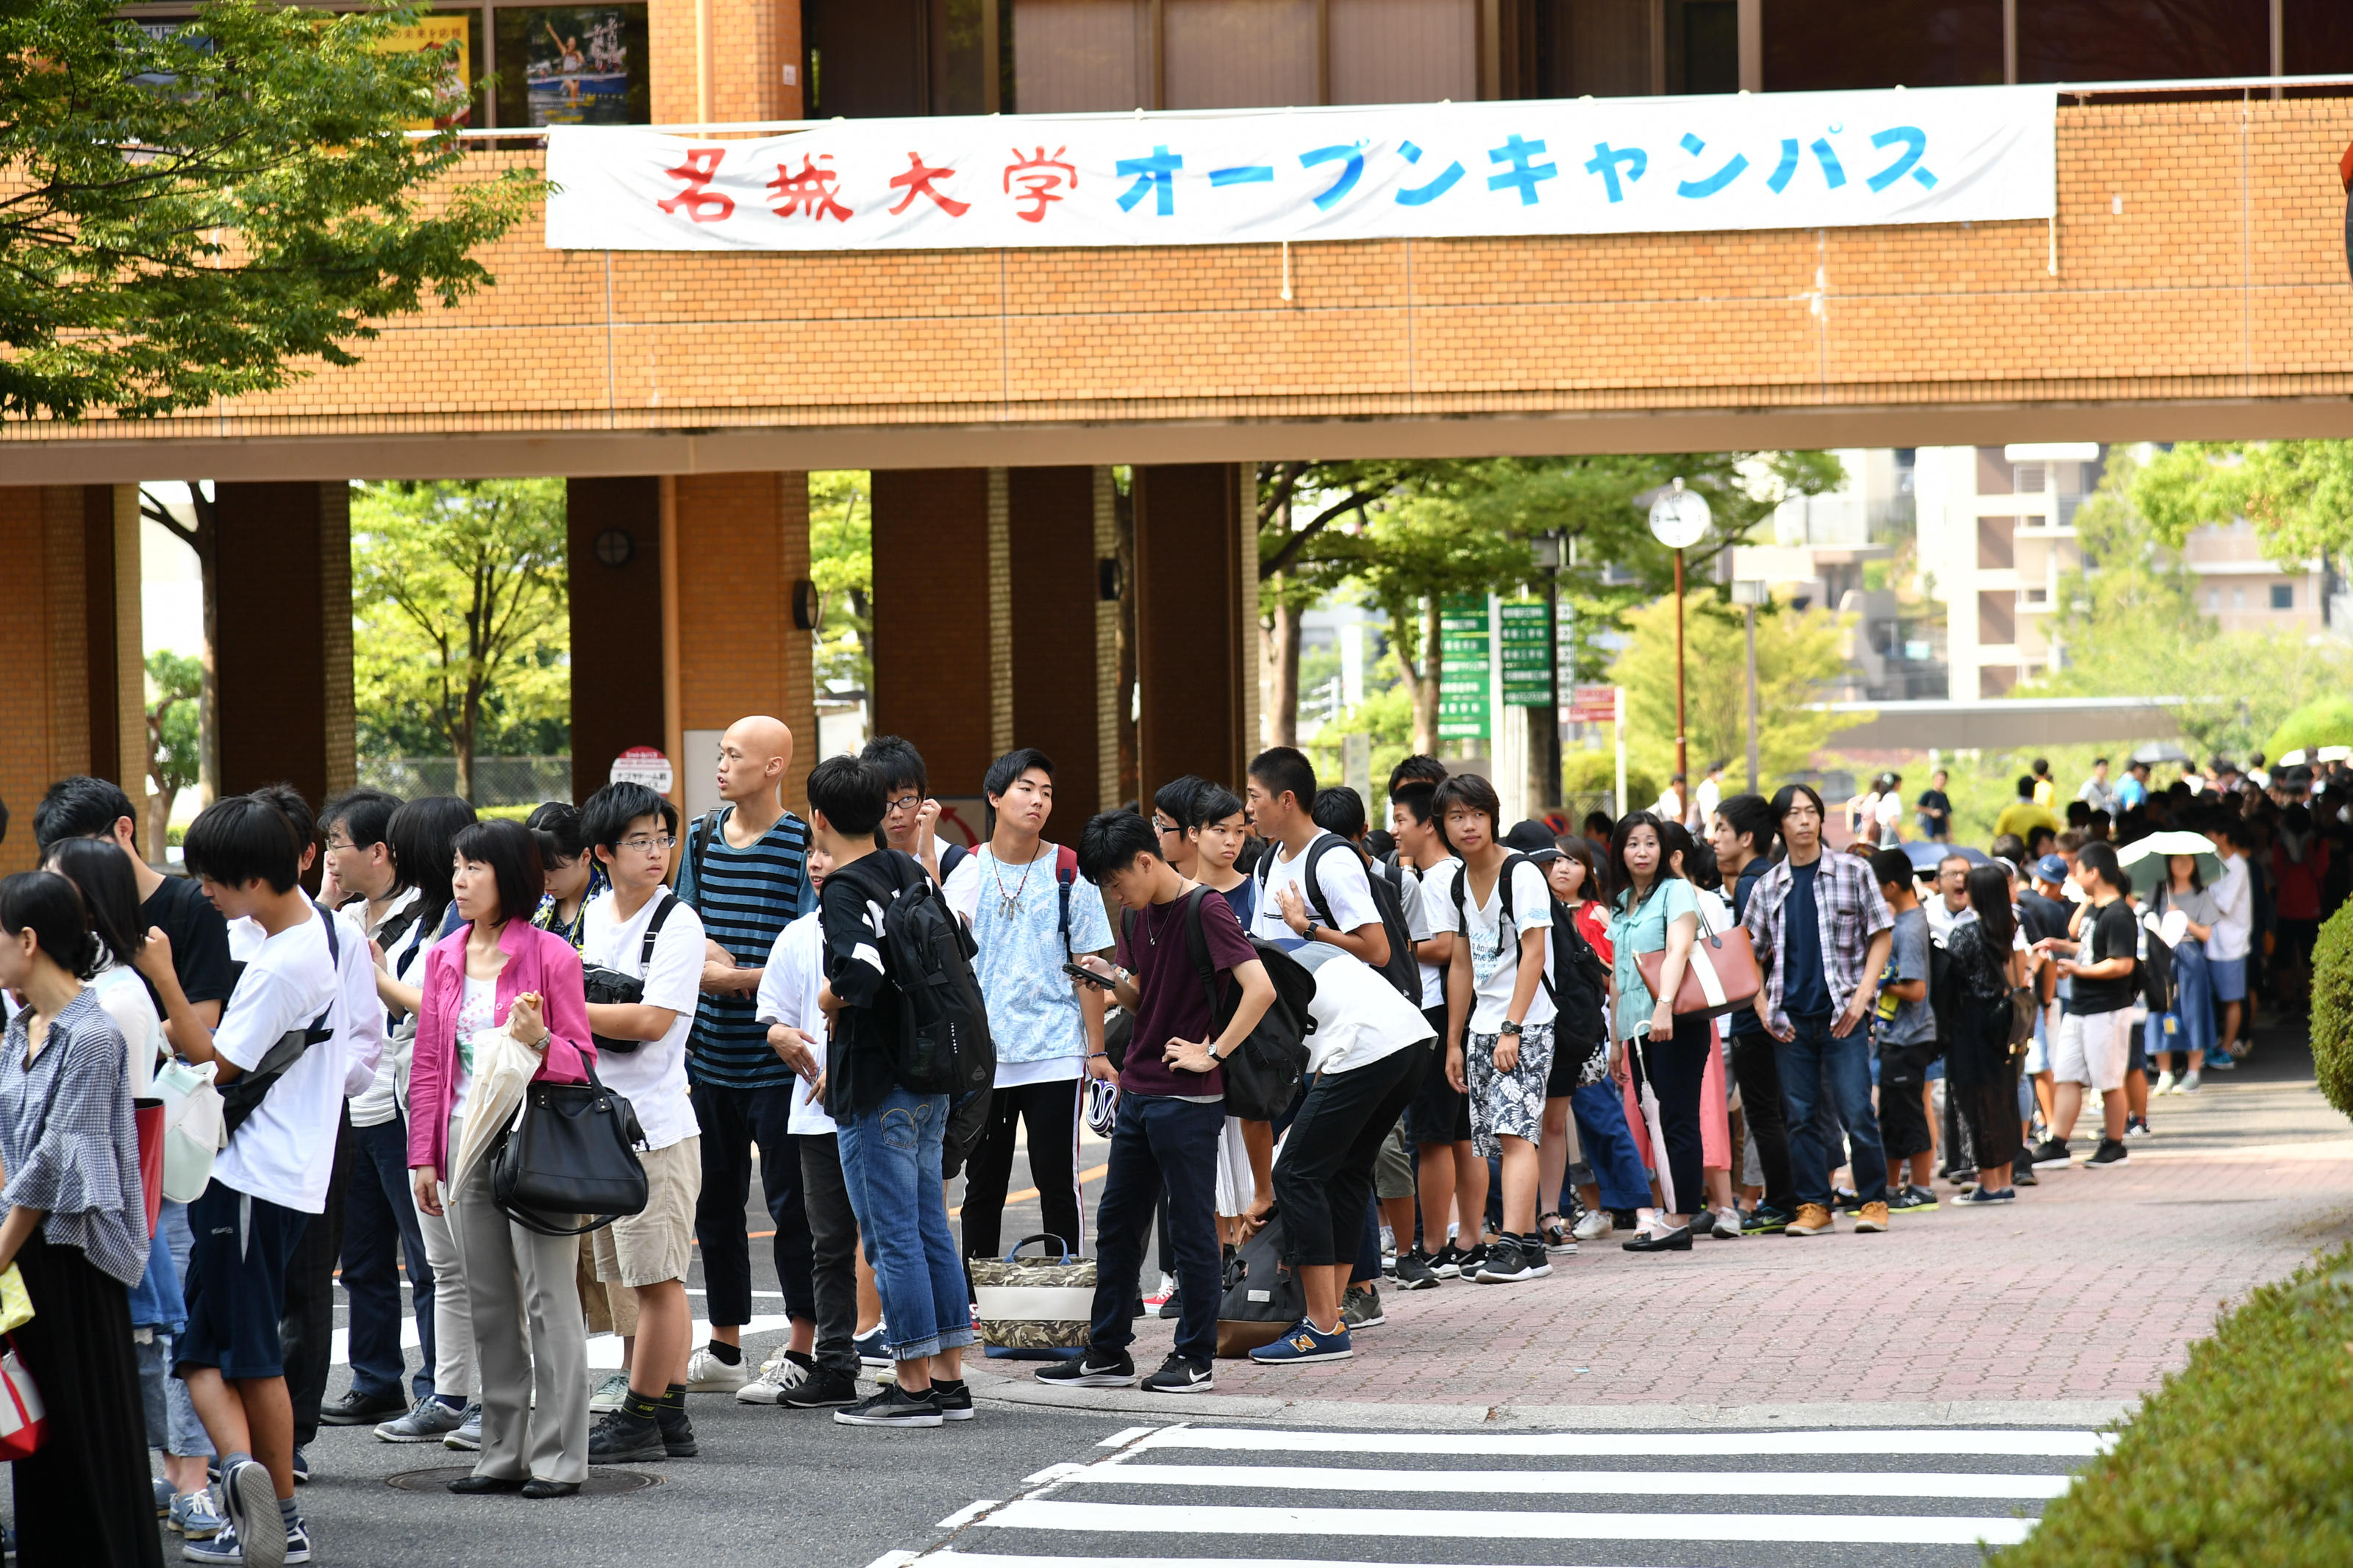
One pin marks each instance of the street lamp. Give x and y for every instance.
(1748, 593)
(1679, 520)
(1549, 550)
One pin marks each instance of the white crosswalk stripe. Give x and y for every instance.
(1449, 1499)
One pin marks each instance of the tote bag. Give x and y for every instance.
(1722, 976)
(1035, 1308)
(24, 1419)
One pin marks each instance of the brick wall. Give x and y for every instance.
(1059, 696)
(932, 615)
(742, 543)
(752, 42)
(285, 655)
(44, 649)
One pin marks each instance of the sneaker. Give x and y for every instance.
(302, 1469)
(1173, 1306)
(468, 1432)
(1415, 1272)
(298, 1542)
(1595, 1225)
(954, 1400)
(357, 1409)
(706, 1373)
(1977, 1196)
(2136, 1126)
(2052, 1154)
(2221, 1061)
(1559, 1242)
(426, 1420)
(1507, 1263)
(163, 1496)
(609, 1393)
(1763, 1220)
(1872, 1217)
(1159, 1297)
(1726, 1227)
(1448, 1264)
(193, 1515)
(2023, 1176)
(783, 1371)
(223, 1546)
(2190, 1082)
(1812, 1219)
(1360, 1308)
(1910, 1200)
(1085, 1372)
(621, 1438)
(869, 1349)
(823, 1389)
(1306, 1342)
(1846, 1200)
(2112, 1151)
(1177, 1375)
(251, 1500)
(677, 1430)
(892, 1406)
(1474, 1260)
(2164, 1084)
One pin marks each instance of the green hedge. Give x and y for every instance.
(2332, 1009)
(2242, 1459)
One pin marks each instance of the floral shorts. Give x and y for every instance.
(1507, 1104)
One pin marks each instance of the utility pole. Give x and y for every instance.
(1748, 594)
(1678, 518)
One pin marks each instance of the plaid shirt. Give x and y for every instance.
(1849, 913)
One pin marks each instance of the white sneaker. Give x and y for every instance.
(2190, 1083)
(2164, 1084)
(706, 1373)
(609, 1393)
(783, 1372)
(1593, 1226)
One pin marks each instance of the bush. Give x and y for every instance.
(1591, 773)
(2242, 1459)
(2323, 722)
(2332, 1009)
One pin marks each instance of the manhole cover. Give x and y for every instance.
(603, 1481)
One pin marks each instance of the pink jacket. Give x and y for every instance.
(536, 961)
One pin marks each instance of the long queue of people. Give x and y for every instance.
(1507, 1049)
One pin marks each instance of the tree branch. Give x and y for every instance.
(1283, 558)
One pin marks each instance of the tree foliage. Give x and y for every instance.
(1798, 653)
(174, 705)
(461, 615)
(842, 566)
(2298, 495)
(192, 212)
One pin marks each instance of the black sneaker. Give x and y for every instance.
(2023, 1176)
(677, 1434)
(621, 1438)
(1763, 1220)
(1910, 1200)
(821, 1389)
(1474, 1260)
(1416, 1272)
(1845, 1201)
(891, 1406)
(955, 1399)
(357, 1409)
(1086, 1371)
(1503, 1264)
(1179, 1375)
(2112, 1151)
(2052, 1153)
(1360, 1306)
(1173, 1308)
(1448, 1264)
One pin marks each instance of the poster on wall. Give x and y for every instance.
(453, 97)
(577, 66)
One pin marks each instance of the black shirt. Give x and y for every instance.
(1743, 1020)
(850, 906)
(1936, 807)
(2109, 933)
(2042, 916)
(199, 939)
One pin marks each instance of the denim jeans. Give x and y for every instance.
(1160, 1141)
(380, 1216)
(1610, 1146)
(2193, 1002)
(184, 1433)
(891, 1165)
(1819, 1067)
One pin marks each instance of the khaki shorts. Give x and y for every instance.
(650, 1248)
(2094, 1049)
(1393, 1168)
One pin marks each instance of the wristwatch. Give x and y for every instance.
(1507, 1028)
(1309, 934)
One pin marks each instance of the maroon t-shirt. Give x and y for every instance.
(1174, 1004)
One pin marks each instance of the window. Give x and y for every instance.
(2125, 40)
(1997, 619)
(1996, 545)
(573, 65)
(2238, 598)
(2282, 596)
(1829, 43)
(2213, 598)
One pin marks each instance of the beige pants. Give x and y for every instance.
(513, 1273)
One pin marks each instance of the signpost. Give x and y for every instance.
(645, 765)
(1465, 671)
(1524, 634)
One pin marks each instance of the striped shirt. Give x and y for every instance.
(745, 897)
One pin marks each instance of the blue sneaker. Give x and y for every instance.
(163, 1495)
(1305, 1342)
(193, 1516)
(302, 1469)
(223, 1549)
(869, 1349)
(1977, 1196)
(251, 1505)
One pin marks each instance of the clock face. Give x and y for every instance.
(615, 547)
(1679, 519)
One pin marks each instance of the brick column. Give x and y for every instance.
(750, 45)
(742, 543)
(935, 618)
(617, 667)
(285, 653)
(45, 705)
(1197, 620)
(1062, 690)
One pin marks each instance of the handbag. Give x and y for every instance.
(569, 1155)
(2022, 1012)
(606, 987)
(147, 1117)
(193, 1128)
(15, 1301)
(1035, 1308)
(1262, 1296)
(1722, 976)
(24, 1419)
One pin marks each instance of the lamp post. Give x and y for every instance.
(1748, 593)
(1544, 757)
(1679, 519)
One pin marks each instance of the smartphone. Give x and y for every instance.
(1078, 971)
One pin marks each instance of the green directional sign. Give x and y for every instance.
(1527, 654)
(1463, 669)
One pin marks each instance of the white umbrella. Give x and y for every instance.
(2161, 846)
(1657, 1126)
(504, 1070)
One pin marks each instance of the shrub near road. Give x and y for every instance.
(2332, 1009)
(2244, 1459)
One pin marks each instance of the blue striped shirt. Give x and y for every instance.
(745, 897)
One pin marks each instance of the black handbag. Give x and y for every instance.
(570, 1155)
(610, 988)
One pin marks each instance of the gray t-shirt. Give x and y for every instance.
(1915, 1023)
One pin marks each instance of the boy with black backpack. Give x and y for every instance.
(908, 1023)
(1303, 859)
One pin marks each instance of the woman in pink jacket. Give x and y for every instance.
(499, 970)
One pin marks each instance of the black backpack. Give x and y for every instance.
(242, 1095)
(1263, 1074)
(1402, 970)
(1573, 958)
(943, 1045)
(610, 987)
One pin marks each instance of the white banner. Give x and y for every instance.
(1784, 160)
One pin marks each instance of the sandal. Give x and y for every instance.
(1558, 1238)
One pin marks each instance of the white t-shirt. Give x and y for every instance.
(2234, 921)
(1416, 926)
(1888, 815)
(1436, 882)
(477, 1014)
(362, 1024)
(379, 1102)
(1359, 1016)
(789, 990)
(1495, 953)
(1706, 798)
(1340, 877)
(652, 1077)
(284, 1153)
(124, 996)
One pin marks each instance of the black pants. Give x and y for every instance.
(1759, 1073)
(733, 1121)
(307, 1325)
(1982, 1079)
(1050, 1111)
(83, 1500)
(1903, 1117)
(1324, 1183)
(1160, 1141)
(833, 1251)
(1677, 1068)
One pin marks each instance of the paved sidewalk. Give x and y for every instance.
(2086, 1292)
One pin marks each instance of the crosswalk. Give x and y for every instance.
(1210, 1497)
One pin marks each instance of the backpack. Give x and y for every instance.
(1261, 1074)
(610, 987)
(1573, 958)
(241, 1096)
(1402, 970)
(942, 1044)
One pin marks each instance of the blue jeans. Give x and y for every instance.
(1609, 1144)
(890, 1167)
(1819, 1069)
(2193, 1006)
(1160, 1141)
(380, 1213)
(185, 1435)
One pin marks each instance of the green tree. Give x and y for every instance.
(459, 606)
(842, 566)
(2324, 721)
(201, 211)
(2297, 494)
(174, 692)
(1798, 653)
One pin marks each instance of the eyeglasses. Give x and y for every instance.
(341, 843)
(1163, 826)
(644, 846)
(904, 803)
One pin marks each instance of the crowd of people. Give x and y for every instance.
(1512, 1039)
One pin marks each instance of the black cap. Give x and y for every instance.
(1530, 838)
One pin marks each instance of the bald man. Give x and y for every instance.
(744, 870)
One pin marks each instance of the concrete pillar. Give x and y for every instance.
(612, 530)
(938, 625)
(1063, 677)
(742, 544)
(284, 660)
(46, 705)
(725, 59)
(1196, 622)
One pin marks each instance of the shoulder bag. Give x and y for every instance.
(610, 988)
(1722, 976)
(570, 1156)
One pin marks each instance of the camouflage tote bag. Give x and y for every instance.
(1035, 1308)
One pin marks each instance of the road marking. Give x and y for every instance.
(966, 1514)
(1874, 1530)
(1629, 1445)
(1671, 1483)
(1091, 1173)
(1126, 1434)
(894, 1560)
(1054, 1473)
(944, 1558)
